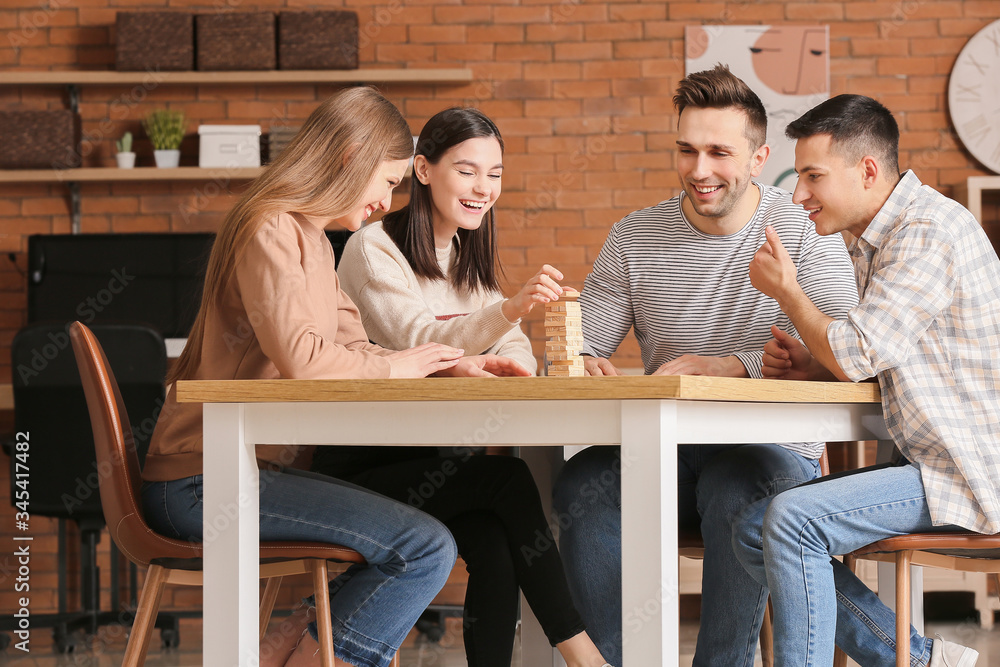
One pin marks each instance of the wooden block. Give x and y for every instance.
(575, 360)
(566, 371)
(571, 307)
(569, 294)
(562, 355)
(563, 347)
(562, 318)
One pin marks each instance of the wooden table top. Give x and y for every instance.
(686, 387)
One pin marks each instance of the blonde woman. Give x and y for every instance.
(272, 308)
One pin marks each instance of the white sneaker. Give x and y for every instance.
(949, 654)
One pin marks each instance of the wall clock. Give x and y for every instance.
(974, 96)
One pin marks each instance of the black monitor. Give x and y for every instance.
(155, 279)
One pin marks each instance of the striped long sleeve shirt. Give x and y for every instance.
(687, 292)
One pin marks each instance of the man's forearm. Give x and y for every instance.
(812, 324)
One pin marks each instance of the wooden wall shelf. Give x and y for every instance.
(111, 174)
(270, 77)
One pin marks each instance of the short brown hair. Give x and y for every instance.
(718, 88)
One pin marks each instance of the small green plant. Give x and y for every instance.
(165, 128)
(124, 145)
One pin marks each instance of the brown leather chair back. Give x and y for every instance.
(117, 462)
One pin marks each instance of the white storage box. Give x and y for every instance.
(229, 145)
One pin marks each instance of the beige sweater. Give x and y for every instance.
(284, 316)
(400, 310)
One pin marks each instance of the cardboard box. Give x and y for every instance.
(228, 146)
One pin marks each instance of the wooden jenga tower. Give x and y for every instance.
(564, 328)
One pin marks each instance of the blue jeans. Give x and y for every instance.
(716, 482)
(409, 553)
(787, 543)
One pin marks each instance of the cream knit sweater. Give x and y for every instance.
(400, 310)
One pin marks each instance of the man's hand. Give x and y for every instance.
(598, 366)
(693, 364)
(772, 270)
(786, 358)
(485, 365)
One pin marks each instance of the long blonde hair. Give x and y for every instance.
(324, 172)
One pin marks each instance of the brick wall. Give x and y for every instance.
(580, 89)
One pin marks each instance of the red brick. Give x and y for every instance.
(563, 71)
(521, 15)
(580, 13)
(706, 11)
(580, 89)
(911, 65)
(632, 30)
(536, 52)
(553, 32)
(495, 33)
(583, 51)
(638, 12)
(814, 11)
(452, 14)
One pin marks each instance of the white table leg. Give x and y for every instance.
(650, 614)
(231, 539)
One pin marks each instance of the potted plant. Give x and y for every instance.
(165, 129)
(125, 156)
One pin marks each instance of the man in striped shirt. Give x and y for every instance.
(676, 273)
(928, 327)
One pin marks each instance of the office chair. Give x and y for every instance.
(49, 405)
(169, 560)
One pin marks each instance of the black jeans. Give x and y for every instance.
(493, 509)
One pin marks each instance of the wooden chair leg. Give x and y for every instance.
(267, 603)
(324, 624)
(145, 616)
(395, 661)
(903, 608)
(767, 637)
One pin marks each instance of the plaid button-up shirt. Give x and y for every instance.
(928, 325)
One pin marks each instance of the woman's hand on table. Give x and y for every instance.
(542, 288)
(423, 360)
(486, 365)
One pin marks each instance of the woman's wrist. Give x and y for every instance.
(510, 311)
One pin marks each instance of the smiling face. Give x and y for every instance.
(377, 196)
(833, 192)
(464, 184)
(716, 164)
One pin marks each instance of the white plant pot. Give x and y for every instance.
(167, 159)
(125, 160)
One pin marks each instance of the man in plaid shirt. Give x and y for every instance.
(928, 328)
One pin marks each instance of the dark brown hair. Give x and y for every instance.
(718, 88)
(412, 227)
(858, 125)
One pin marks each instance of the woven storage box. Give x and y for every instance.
(40, 139)
(318, 40)
(155, 40)
(237, 41)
